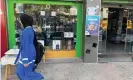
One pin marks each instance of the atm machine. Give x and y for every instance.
(92, 31)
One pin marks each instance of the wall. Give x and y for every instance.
(3, 29)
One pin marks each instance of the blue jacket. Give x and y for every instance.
(27, 52)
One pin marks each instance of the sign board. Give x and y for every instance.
(73, 11)
(92, 25)
(53, 13)
(42, 13)
(68, 34)
(105, 12)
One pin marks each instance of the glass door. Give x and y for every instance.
(129, 34)
(129, 41)
(103, 36)
(103, 31)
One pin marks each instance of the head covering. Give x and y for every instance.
(26, 20)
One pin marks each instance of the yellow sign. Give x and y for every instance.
(104, 24)
(129, 24)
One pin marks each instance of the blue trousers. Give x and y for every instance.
(27, 73)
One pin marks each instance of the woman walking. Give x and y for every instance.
(27, 53)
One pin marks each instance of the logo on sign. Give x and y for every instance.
(92, 10)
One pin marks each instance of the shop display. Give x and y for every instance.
(53, 13)
(42, 13)
(69, 44)
(104, 24)
(18, 31)
(73, 11)
(127, 38)
(55, 24)
(129, 24)
(56, 44)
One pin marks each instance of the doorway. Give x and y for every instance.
(116, 40)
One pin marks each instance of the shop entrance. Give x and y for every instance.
(117, 38)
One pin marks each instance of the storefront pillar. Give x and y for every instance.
(92, 30)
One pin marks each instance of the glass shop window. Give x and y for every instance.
(55, 25)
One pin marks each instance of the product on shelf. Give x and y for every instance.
(55, 24)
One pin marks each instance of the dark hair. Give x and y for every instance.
(26, 20)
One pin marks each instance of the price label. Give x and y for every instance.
(68, 34)
(53, 13)
(43, 13)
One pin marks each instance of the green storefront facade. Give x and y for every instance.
(118, 1)
(11, 25)
(80, 18)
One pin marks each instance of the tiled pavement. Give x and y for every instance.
(86, 71)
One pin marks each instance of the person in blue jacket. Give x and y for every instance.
(27, 54)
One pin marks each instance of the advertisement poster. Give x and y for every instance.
(92, 25)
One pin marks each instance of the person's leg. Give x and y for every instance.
(32, 75)
(20, 71)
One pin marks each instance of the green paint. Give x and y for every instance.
(11, 25)
(44, 2)
(48, 0)
(79, 47)
(117, 1)
(11, 28)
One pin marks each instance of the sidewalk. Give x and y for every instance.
(87, 71)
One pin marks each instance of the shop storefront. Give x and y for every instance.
(58, 25)
(61, 26)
